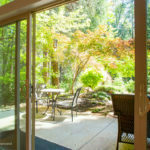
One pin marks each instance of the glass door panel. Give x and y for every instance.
(13, 86)
(7, 87)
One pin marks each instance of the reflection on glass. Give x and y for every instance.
(7, 86)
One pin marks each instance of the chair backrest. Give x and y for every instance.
(123, 104)
(75, 98)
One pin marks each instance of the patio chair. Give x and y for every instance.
(123, 106)
(67, 104)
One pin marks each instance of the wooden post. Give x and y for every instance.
(140, 115)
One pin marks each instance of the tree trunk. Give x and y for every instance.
(45, 66)
(61, 74)
(54, 67)
(79, 69)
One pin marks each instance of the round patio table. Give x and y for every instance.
(53, 100)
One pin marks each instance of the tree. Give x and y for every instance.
(7, 64)
(123, 22)
(96, 11)
(55, 24)
(91, 78)
(3, 2)
(99, 44)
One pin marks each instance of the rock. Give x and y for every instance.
(88, 89)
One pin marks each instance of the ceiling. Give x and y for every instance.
(18, 9)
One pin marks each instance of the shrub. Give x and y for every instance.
(118, 82)
(101, 95)
(96, 110)
(91, 78)
(130, 86)
(110, 89)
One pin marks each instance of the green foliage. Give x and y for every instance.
(109, 89)
(96, 110)
(7, 65)
(123, 18)
(120, 68)
(87, 34)
(148, 20)
(68, 24)
(66, 78)
(124, 86)
(130, 86)
(101, 95)
(96, 11)
(91, 78)
(3, 2)
(118, 82)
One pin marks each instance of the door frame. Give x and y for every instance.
(17, 87)
(33, 79)
(28, 84)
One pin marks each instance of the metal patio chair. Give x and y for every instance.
(72, 105)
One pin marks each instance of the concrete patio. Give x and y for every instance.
(87, 132)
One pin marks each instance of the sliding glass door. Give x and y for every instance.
(15, 86)
(7, 86)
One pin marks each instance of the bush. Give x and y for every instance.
(91, 78)
(110, 89)
(97, 110)
(101, 95)
(130, 86)
(118, 82)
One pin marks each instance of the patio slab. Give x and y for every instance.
(85, 133)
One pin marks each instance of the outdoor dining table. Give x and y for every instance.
(52, 100)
